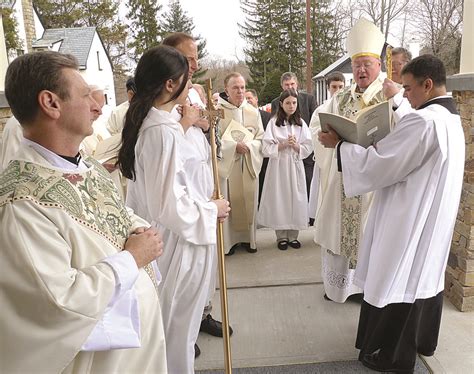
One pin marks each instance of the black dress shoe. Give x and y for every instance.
(213, 327)
(295, 244)
(283, 245)
(311, 222)
(326, 297)
(232, 249)
(197, 351)
(248, 248)
(373, 361)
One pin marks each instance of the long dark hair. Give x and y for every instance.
(156, 66)
(295, 118)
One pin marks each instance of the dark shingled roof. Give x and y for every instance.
(76, 41)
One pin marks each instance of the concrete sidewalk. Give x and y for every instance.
(279, 316)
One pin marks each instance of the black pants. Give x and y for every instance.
(400, 331)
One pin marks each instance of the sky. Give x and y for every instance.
(216, 21)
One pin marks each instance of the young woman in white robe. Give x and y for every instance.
(287, 141)
(162, 164)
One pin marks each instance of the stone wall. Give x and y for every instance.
(459, 286)
(29, 21)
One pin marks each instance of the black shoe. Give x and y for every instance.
(232, 249)
(295, 244)
(213, 327)
(326, 297)
(311, 222)
(372, 361)
(283, 245)
(248, 248)
(197, 351)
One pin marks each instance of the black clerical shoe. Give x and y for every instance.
(197, 351)
(232, 249)
(372, 361)
(248, 248)
(311, 222)
(283, 245)
(213, 327)
(326, 297)
(295, 244)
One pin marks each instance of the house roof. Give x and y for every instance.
(334, 66)
(76, 41)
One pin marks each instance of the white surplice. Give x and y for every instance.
(416, 172)
(201, 175)
(73, 296)
(314, 197)
(340, 221)
(167, 193)
(116, 120)
(284, 203)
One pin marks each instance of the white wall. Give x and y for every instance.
(104, 77)
(39, 29)
(18, 12)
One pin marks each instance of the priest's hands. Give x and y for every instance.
(390, 89)
(223, 209)
(145, 245)
(329, 139)
(241, 148)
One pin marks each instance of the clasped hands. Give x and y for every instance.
(291, 142)
(191, 115)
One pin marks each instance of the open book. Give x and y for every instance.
(370, 126)
(108, 148)
(238, 133)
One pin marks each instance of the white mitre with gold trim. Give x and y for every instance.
(364, 39)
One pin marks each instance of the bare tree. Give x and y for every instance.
(383, 13)
(440, 24)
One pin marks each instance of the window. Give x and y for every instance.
(98, 60)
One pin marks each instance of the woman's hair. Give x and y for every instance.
(155, 68)
(295, 118)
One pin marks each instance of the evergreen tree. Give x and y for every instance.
(88, 13)
(60, 13)
(275, 34)
(326, 35)
(10, 29)
(177, 20)
(145, 30)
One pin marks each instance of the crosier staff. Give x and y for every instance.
(388, 61)
(213, 116)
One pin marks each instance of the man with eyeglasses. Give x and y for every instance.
(340, 220)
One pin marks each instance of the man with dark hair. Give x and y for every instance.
(252, 98)
(335, 81)
(416, 172)
(77, 263)
(307, 105)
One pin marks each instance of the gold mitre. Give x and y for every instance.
(364, 39)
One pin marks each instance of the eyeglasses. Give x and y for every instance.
(365, 65)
